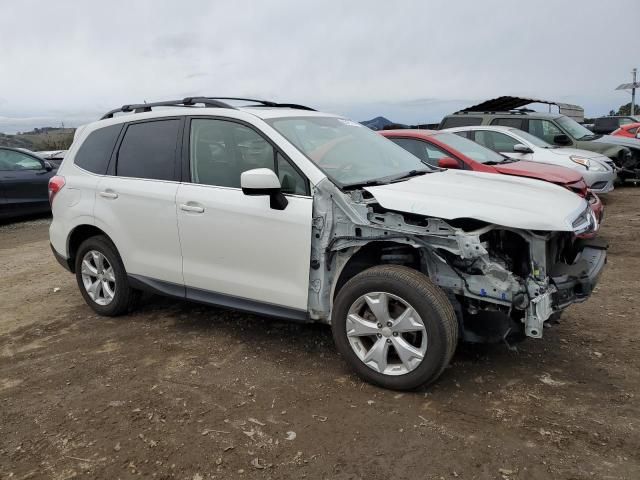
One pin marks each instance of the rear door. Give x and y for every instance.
(23, 182)
(237, 251)
(135, 201)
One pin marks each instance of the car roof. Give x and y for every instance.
(409, 132)
(508, 114)
(263, 113)
(497, 128)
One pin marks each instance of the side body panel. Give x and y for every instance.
(239, 246)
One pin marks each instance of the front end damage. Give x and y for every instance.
(502, 282)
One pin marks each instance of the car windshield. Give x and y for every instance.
(538, 142)
(573, 128)
(473, 150)
(347, 152)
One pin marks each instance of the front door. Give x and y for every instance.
(236, 250)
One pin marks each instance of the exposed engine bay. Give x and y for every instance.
(501, 281)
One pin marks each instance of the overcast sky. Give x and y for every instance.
(411, 61)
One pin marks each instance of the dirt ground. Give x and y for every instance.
(177, 390)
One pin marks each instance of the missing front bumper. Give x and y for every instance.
(574, 283)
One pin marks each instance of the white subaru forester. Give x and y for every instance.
(283, 211)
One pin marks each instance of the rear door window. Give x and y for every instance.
(415, 147)
(148, 150)
(95, 152)
(460, 121)
(509, 122)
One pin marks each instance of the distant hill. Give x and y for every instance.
(46, 138)
(377, 123)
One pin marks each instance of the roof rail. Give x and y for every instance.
(212, 102)
(265, 103)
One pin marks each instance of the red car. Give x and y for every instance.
(630, 130)
(448, 150)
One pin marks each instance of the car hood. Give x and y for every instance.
(567, 152)
(542, 171)
(617, 140)
(499, 199)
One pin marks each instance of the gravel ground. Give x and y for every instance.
(177, 390)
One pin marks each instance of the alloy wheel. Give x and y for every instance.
(386, 333)
(98, 277)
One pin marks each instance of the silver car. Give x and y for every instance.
(598, 171)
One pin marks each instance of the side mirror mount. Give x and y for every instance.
(562, 139)
(520, 148)
(47, 166)
(263, 182)
(448, 162)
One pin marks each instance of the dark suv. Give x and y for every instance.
(560, 130)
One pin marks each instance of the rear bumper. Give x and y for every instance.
(575, 282)
(65, 262)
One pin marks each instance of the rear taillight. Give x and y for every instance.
(55, 185)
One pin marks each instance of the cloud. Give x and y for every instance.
(411, 61)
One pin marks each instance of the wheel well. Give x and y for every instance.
(79, 235)
(377, 253)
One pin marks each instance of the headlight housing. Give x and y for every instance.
(585, 162)
(597, 166)
(586, 222)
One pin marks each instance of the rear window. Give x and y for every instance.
(95, 152)
(148, 150)
(509, 122)
(460, 121)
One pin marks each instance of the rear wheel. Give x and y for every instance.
(394, 327)
(102, 278)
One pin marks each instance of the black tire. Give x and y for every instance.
(427, 299)
(124, 296)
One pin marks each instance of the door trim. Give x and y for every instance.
(217, 299)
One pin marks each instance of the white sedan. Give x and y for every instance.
(598, 171)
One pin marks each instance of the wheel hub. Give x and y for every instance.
(386, 333)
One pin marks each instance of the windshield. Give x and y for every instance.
(348, 152)
(538, 142)
(473, 150)
(573, 128)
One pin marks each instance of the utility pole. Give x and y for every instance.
(633, 92)
(631, 86)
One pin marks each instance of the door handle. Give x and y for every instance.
(108, 194)
(191, 208)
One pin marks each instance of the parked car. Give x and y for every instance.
(561, 131)
(606, 125)
(598, 171)
(23, 183)
(631, 130)
(445, 149)
(288, 212)
(55, 157)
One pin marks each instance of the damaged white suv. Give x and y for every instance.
(283, 211)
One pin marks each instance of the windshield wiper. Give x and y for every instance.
(386, 180)
(412, 173)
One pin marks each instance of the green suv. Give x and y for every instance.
(559, 130)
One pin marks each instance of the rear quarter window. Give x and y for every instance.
(95, 152)
(460, 121)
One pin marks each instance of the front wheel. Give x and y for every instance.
(394, 327)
